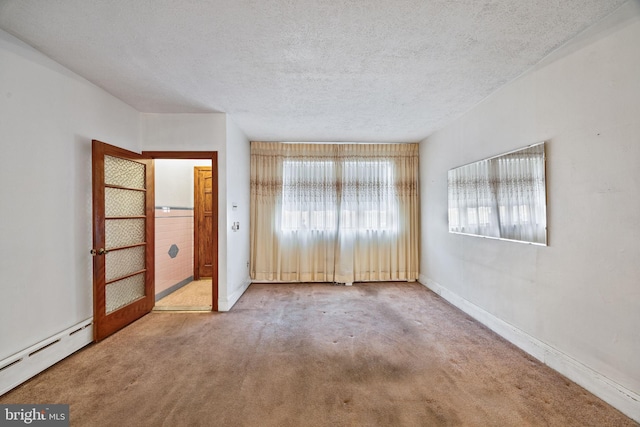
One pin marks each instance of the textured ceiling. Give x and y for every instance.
(303, 70)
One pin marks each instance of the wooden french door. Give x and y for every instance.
(123, 238)
(203, 222)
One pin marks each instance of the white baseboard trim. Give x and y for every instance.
(226, 304)
(16, 369)
(618, 396)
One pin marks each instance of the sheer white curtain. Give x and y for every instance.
(334, 212)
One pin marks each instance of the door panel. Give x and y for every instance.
(203, 219)
(123, 223)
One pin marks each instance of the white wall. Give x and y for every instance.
(183, 132)
(48, 117)
(238, 159)
(580, 296)
(174, 181)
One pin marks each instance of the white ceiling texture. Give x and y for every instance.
(303, 70)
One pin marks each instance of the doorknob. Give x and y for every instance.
(93, 252)
(102, 251)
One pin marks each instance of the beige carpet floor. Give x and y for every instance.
(194, 296)
(314, 355)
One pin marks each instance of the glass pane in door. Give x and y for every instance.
(124, 173)
(123, 292)
(124, 202)
(124, 262)
(119, 202)
(123, 232)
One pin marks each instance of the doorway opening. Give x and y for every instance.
(178, 286)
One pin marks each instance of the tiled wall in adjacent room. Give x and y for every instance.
(174, 246)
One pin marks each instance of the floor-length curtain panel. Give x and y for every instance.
(378, 237)
(334, 212)
(293, 212)
(407, 177)
(266, 202)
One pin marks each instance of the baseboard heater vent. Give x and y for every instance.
(16, 369)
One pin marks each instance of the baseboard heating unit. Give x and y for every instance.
(16, 369)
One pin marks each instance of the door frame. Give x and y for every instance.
(213, 156)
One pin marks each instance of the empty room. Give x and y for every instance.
(408, 213)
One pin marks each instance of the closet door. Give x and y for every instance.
(203, 223)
